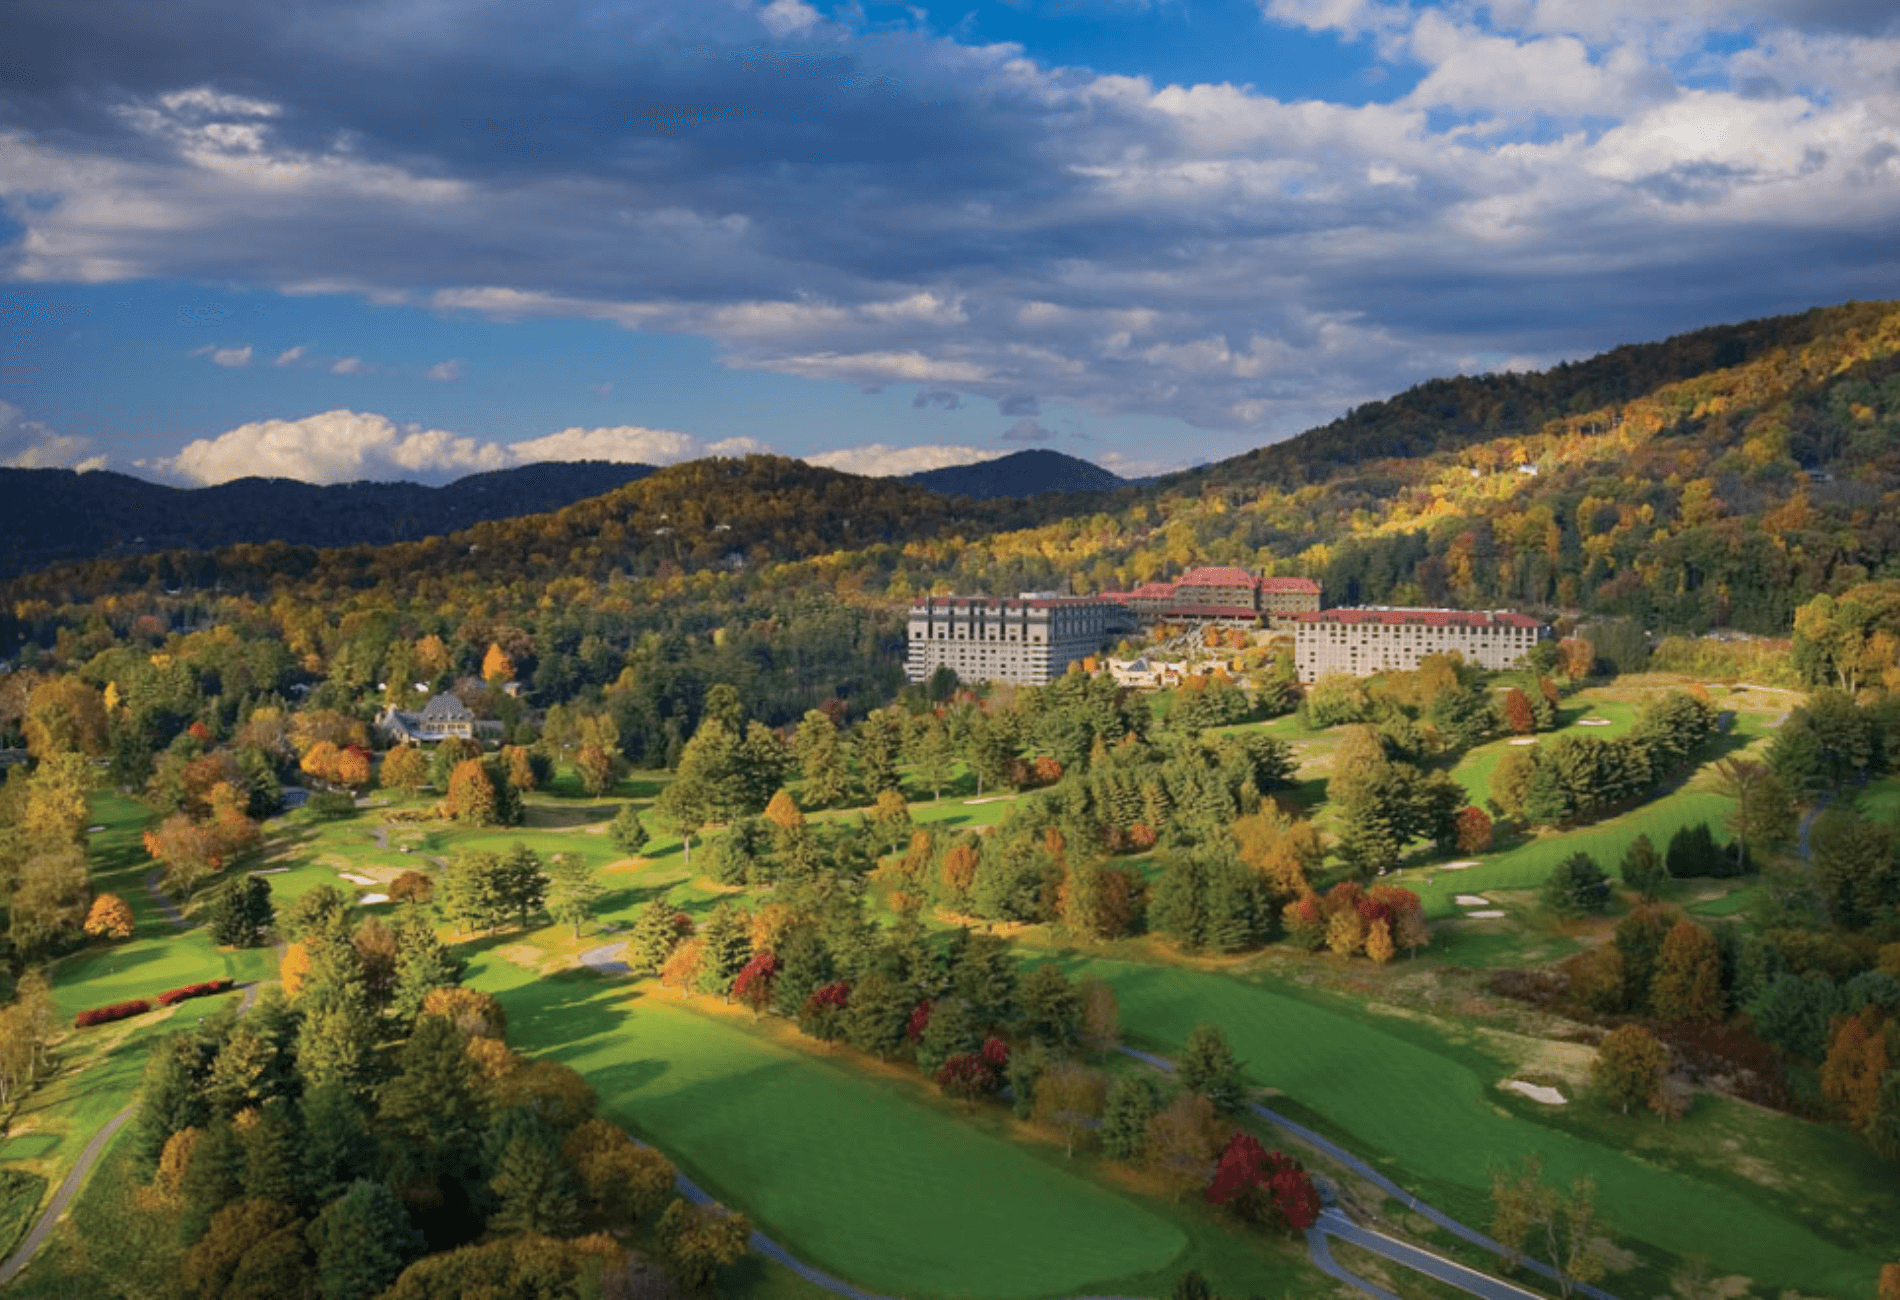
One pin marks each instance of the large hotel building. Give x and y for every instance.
(1033, 638)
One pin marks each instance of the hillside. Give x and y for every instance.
(1719, 478)
(56, 514)
(1020, 474)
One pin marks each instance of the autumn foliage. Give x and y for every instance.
(171, 997)
(753, 984)
(1474, 830)
(1264, 1186)
(1856, 1063)
(117, 1011)
(110, 918)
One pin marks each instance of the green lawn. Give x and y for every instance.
(879, 1187)
(1427, 1107)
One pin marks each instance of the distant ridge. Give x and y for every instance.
(1020, 474)
(49, 515)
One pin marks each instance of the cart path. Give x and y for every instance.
(164, 904)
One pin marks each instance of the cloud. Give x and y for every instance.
(349, 366)
(940, 398)
(1027, 430)
(445, 370)
(230, 358)
(878, 203)
(289, 356)
(343, 446)
(881, 460)
(31, 444)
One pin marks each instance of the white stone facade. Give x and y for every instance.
(1030, 640)
(1361, 642)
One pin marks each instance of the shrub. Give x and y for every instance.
(106, 1015)
(172, 997)
(332, 803)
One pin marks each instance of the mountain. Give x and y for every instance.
(48, 515)
(1020, 474)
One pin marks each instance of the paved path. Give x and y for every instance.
(1384, 1184)
(1469, 1280)
(64, 1196)
(165, 905)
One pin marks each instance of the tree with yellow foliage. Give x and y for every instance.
(294, 968)
(110, 918)
(497, 667)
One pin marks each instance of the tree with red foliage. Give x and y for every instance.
(1474, 830)
(1305, 920)
(1141, 837)
(968, 1077)
(822, 1016)
(1518, 714)
(199, 732)
(918, 1022)
(1240, 1178)
(996, 1055)
(753, 984)
(1048, 771)
(1295, 1199)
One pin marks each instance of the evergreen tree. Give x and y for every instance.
(430, 1106)
(212, 1180)
(470, 893)
(423, 963)
(574, 891)
(241, 911)
(270, 1144)
(821, 761)
(1207, 1067)
(983, 974)
(725, 947)
(521, 882)
(1132, 1101)
(951, 1031)
(363, 1241)
(654, 935)
(1642, 870)
(536, 1189)
(1693, 852)
(627, 831)
(1049, 1007)
(934, 756)
(337, 1147)
(879, 1008)
(1577, 885)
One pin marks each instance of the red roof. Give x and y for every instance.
(1210, 611)
(1153, 591)
(1428, 617)
(1221, 576)
(1009, 602)
(1290, 586)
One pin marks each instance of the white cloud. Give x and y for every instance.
(445, 370)
(289, 356)
(882, 460)
(230, 358)
(32, 444)
(349, 366)
(784, 17)
(630, 445)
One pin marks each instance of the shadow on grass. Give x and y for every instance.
(558, 817)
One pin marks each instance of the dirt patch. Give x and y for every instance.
(627, 864)
(525, 955)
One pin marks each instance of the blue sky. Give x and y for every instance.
(415, 238)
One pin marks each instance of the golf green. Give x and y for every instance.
(1435, 1116)
(848, 1172)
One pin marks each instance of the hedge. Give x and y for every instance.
(171, 997)
(117, 1011)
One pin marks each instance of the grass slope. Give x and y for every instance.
(862, 1180)
(1432, 1113)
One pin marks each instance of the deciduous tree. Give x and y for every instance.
(1629, 1064)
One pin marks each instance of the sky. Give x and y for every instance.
(345, 239)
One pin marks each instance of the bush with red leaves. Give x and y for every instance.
(919, 1021)
(171, 997)
(1264, 1186)
(106, 1015)
(968, 1076)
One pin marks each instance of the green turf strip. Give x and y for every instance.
(851, 1174)
(1434, 1116)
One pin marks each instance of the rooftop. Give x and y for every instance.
(1425, 617)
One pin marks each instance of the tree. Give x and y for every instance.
(683, 967)
(890, 816)
(363, 1240)
(934, 756)
(1688, 981)
(1630, 1064)
(624, 1182)
(471, 795)
(405, 768)
(598, 769)
(1182, 1142)
(878, 1012)
(497, 667)
(1641, 869)
(1763, 814)
(1576, 886)
(536, 1189)
(949, 1031)
(1518, 716)
(244, 1243)
(412, 887)
(241, 911)
(1562, 1229)
(1132, 1101)
(656, 931)
(686, 806)
(109, 918)
(1856, 1063)
(1101, 1016)
(700, 1240)
(470, 891)
(520, 881)
(725, 947)
(1069, 1099)
(754, 983)
(1474, 830)
(424, 964)
(574, 890)
(1049, 1009)
(188, 851)
(627, 831)
(1511, 781)
(821, 760)
(1207, 1067)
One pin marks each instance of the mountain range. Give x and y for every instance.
(1020, 474)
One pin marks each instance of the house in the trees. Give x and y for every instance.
(443, 716)
(1224, 595)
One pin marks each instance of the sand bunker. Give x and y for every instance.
(270, 871)
(1456, 866)
(1536, 1092)
(1524, 740)
(1490, 915)
(374, 898)
(1593, 722)
(1473, 900)
(94, 830)
(355, 879)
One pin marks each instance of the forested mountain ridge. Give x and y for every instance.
(1020, 474)
(1701, 494)
(56, 514)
